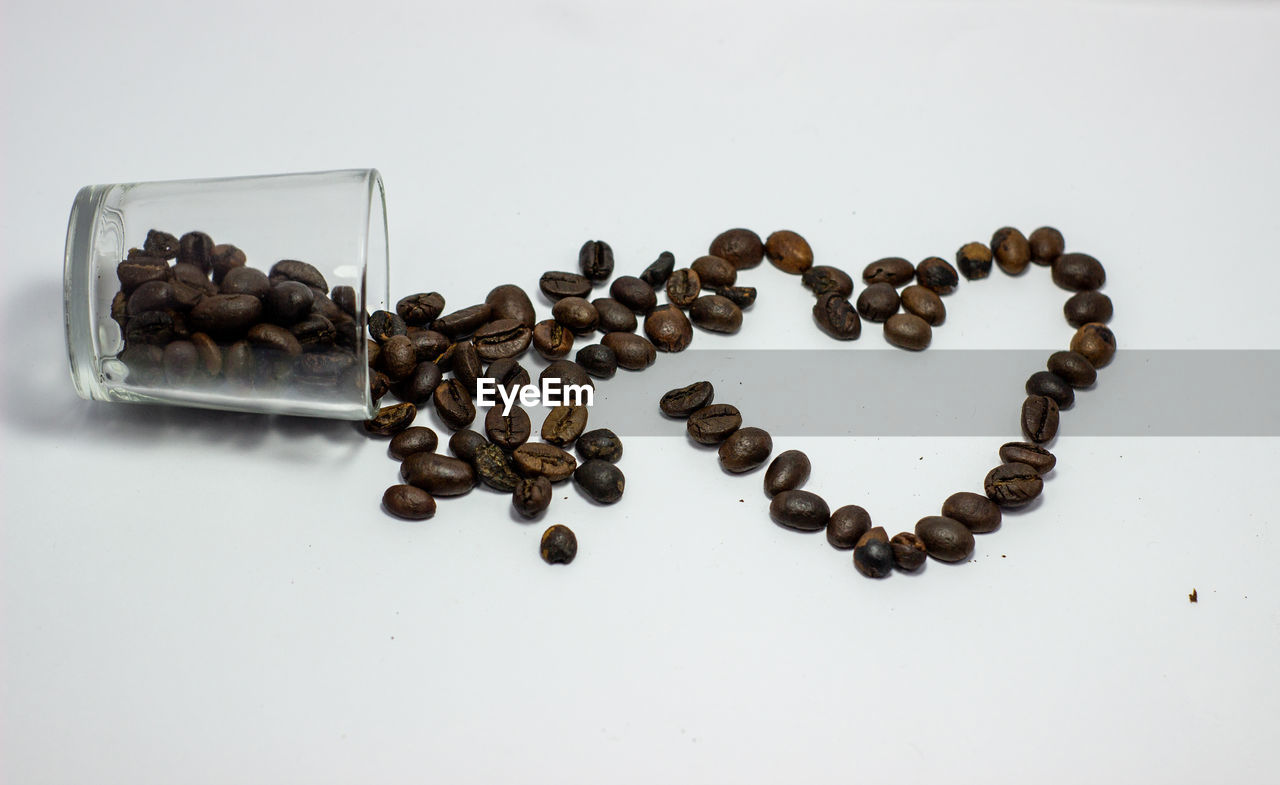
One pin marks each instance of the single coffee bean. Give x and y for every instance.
(1085, 307)
(465, 321)
(465, 442)
(535, 459)
(195, 275)
(502, 338)
(531, 496)
(741, 296)
(741, 248)
(413, 440)
(946, 539)
(893, 270)
(185, 295)
(909, 551)
(1013, 484)
(391, 420)
(602, 444)
(322, 305)
(384, 325)
(668, 328)
(974, 261)
(293, 270)
(598, 360)
(714, 423)
(418, 386)
(573, 379)
(327, 367)
(656, 274)
(1074, 368)
(347, 332)
(345, 298)
(275, 338)
(559, 545)
(420, 309)
(225, 258)
(1011, 250)
(1096, 343)
(1046, 244)
(1078, 272)
(453, 404)
(556, 284)
(745, 449)
(614, 316)
(924, 303)
(145, 363)
(494, 469)
(511, 302)
(908, 331)
(878, 302)
(1033, 455)
(800, 510)
(937, 275)
(600, 480)
(789, 252)
(315, 332)
(406, 501)
(789, 471)
(874, 559)
(210, 355)
(161, 244)
(836, 317)
(508, 374)
(180, 362)
(576, 314)
(287, 301)
(847, 525)
(633, 293)
(974, 510)
(1054, 386)
(683, 287)
(551, 339)
(196, 248)
(250, 280)
(135, 271)
(225, 314)
(438, 474)
(713, 271)
(595, 258)
(150, 296)
(1040, 418)
(238, 364)
(379, 385)
(684, 401)
(509, 430)
(564, 424)
(716, 314)
(398, 360)
(826, 280)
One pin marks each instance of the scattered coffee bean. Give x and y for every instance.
(908, 331)
(1074, 368)
(1040, 418)
(684, 401)
(465, 442)
(398, 359)
(1013, 484)
(788, 472)
(974, 261)
(633, 352)
(391, 420)
(420, 309)
(937, 275)
(502, 338)
(924, 303)
(595, 259)
(789, 252)
(1046, 244)
(614, 316)
(668, 328)
(535, 459)
(741, 296)
(508, 374)
(427, 344)
(602, 444)
(465, 321)
(509, 430)
(384, 325)
(406, 501)
(559, 545)
(742, 248)
(551, 339)
(656, 274)
(1033, 455)
(878, 302)
(683, 287)
(453, 404)
(714, 423)
(1050, 384)
(827, 280)
(847, 525)
(1096, 343)
(874, 559)
(532, 496)
(510, 302)
(877, 534)
(975, 511)
(946, 539)
(1011, 250)
(893, 270)
(1085, 307)
(800, 510)
(564, 424)
(713, 271)
(633, 293)
(600, 480)
(559, 284)
(745, 449)
(293, 270)
(494, 469)
(716, 314)
(569, 374)
(438, 474)
(1078, 272)
(419, 386)
(909, 551)
(836, 317)
(413, 440)
(598, 360)
(575, 314)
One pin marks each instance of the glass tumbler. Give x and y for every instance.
(242, 293)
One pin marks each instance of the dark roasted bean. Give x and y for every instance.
(742, 248)
(1011, 250)
(909, 551)
(420, 309)
(668, 328)
(789, 471)
(713, 271)
(209, 353)
(225, 259)
(683, 287)
(196, 248)
(535, 459)
(946, 539)
(508, 374)
(602, 444)
(238, 365)
(564, 424)
(509, 430)
(314, 332)
(398, 360)
(406, 501)
(878, 302)
(161, 244)
(465, 321)
(137, 270)
(287, 301)
(974, 510)
(551, 339)
(800, 510)
(908, 331)
(145, 363)
(874, 558)
(847, 525)
(275, 338)
(893, 270)
(1085, 307)
(569, 374)
(224, 314)
(745, 449)
(453, 404)
(292, 270)
(924, 303)
(1046, 244)
(427, 344)
(391, 420)
(1074, 368)
(438, 474)
(974, 261)
(656, 274)
(346, 299)
(379, 384)
(741, 296)
(576, 314)
(598, 360)
(384, 325)
(494, 469)
(836, 317)
(1096, 343)
(827, 280)
(418, 387)
(464, 443)
(559, 545)
(614, 316)
(684, 401)
(250, 280)
(531, 496)
(511, 302)
(1040, 418)
(180, 362)
(416, 439)
(1013, 484)
(937, 275)
(595, 259)
(150, 296)
(502, 338)
(1078, 272)
(1050, 384)
(1033, 455)
(716, 314)
(634, 293)
(195, 275)
(789, 252)
(600, 480)
(714, 423)
(559, 284)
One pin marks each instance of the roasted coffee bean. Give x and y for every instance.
(570, 375)
(595, 259)
(975, 511)
(1040, 418)
(847, 526)
(511, 302)
(398, 360)
(1052, 385)
(789, 252)
(789, 471)
(314, 332)
(598, 360)
(325, 366)
(509, 430)
(384, 325)
(909, 551)
(323, 306)
(150, 296)
(601, 443)
(713, 271)
(465, 321)
(716, 314)
(379, 385)
(145, 363)
(1085, 307)
(656, 274)
(161, 244)
(464, 443)
(137, 270)
(827, 280)
(1033, 455)
(185, 295)
(346, 299)
(800, 510)
(559, 284)
(683, 287)
(1074, 368)
(224, 314)
(923, 302)
(196, 248)
(225, 258)
(180, 363)
(1046, 245)
(559, 545)
(874, 559)
(878, 534)
(420, 309)
(250, 280)
(293, 270)
(467, 367)
(193, 274)
(373, 352)
(668, 328)
(347, 332)
(494, 469)
(427, 344)
(391, 420)
(552, 340)
(878, 302)
(741, 248)
(416, 439)
(937, 275)
(438, 474)
(1011, 250)
(1096, 343)
(741, 296)
(634, 293)
(600, 480)
(535, 459)
(508, 374)
(210, 356)
(238, 363)
(406, 501)
(564, 424)
(453, 404)
(287, 302)
(274, 338)
(836, 317)
(745, 449)
(684, 401)
(1078, 272)
(1013, 484)
(946, 539)
(713, 423)
(614, 316)
(419, 385)
(908, 331)
(531, 496)
(974, 261)
(576, 314)
(893, 270)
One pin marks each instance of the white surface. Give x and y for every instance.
(198, 598)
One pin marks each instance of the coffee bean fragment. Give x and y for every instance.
(668, 328)
(789, 252)
(532, 496)
(659, 270)
(453, 404)
(1040, 418)
(975, 511)
(1078, 272)
(824, 279)
(1074, 368)
(633, 352)
(601, 443)
(745, 449)
(1085, 307)
(741, 296)
(874, 559)
(799, 510)
(684, 401)
(716, 314)
(908, 331)
(575, 314)
(555, 284)
(909, 551)
(945, 539)
(1046, 245)
(420, 309)
(714, 423)
(683, 287)
(924, 303)
(509, 430)
(391, 420)
(878, 302)
(614, 316)
(1054, 386)
(974, 261)
(893, 270)
(1012, 484)
(937, 275)
(836, 317)
(742, 248)
(559, 545)
(494, 469)
(408, 502)
(595, 259)
(713, 271)
(438, 474)
(1096, 343)
(633, 293)
(416, 439)
(600, 480)
(598, 360)
(788, 472)
(847, 526)
(1033, 455)
(536, 459)
(564, 424)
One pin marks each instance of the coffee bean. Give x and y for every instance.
(559, 284)
(275, 338)
(324, 367)
(576, 314)
(1046, 245)
(225, 314)
(398, 359)
(683, 287)
(714, 423)
(878, 302)
(878, 534)
(1096, 343)
(716, 314)
(391, 420)
(161, 244)
(531, 496)
(453, 404)
(789, 252)
(668, 328)
(224, 259)
(713, 271)
(598, 360)
(1012, 484)
(974, 510)
(1040, 418)
(1033, 455)
(847, 525)
(120, 308)
(1011, 250)
(656, 274)
(287, 301)
(893, 270)
(874, 559)
(741, 296)
(420, 309)
(406, 501)
(293, 270)
(602, 444)
(1054, 386)
(438, 474)
(145, 363)
(465, 321)
(494, 469)
(789, 471)
(1085, 307)
(564, 424)
(150, 296)
(559, 545)
(937, 275)
(569, 374)
(195, 275)
(315, 332)
(379, 385)
(196, 248)
(1074, 368)
(799, 510)
(250, 280)
(741, 248)
(683, 401)
(322, 305)
(508, 374)
(827, 280)
(210, 356)
(745, 449)
(346, 299)
(924, 303)
(551, 339)
(600, 480)
(384, 325)
(185, 295)
(419, 385)
(180, 362)
(135, 271)
(413, 440)
(836, 317)
(535, 459)
(1078, 272)
(974, 261)
(509, 430)
(909, 551)
(908, 331)
(633, 293)
(238, 364)
(511, 302)
(465, 442)
(502, 338)
(595, 258)
(946, 539)
(614, 316)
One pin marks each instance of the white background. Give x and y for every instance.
(196, 597)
